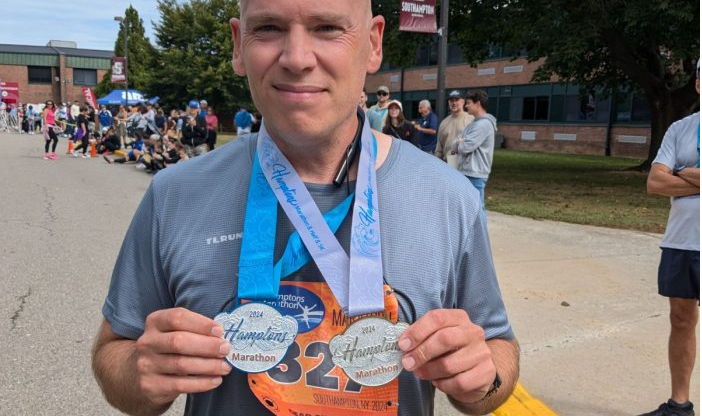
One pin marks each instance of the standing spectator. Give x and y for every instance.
(476, 145)
(373, 118)
(212, 124)
(82, 133)
(122, 125)
(105, 118)
(194, 131)
(203, 108)
(49, 123)
(72, 117)
(257, 119)
(380, 109)
(396, 125)
(675, 173)
(243, 121)
(453, 125)
(30, 115)
(426, 127)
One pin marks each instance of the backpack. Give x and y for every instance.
(243, 119)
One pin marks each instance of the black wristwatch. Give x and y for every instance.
(493, 389)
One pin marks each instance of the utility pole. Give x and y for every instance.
(126, 58)
(442, 56)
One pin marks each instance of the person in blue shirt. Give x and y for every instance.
(427, 126)
(105, 117)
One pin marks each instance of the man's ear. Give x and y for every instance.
(376, 40)
(237, 60)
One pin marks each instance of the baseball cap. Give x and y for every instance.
(194, 104)
(455, 94)
(203, 102)
(384, 89)
(397, 103)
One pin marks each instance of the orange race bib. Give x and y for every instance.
(306, 382)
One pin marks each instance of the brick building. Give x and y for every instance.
(56, 71)
(549, 117)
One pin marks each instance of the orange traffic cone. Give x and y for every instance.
(70, 146)
(93, 149)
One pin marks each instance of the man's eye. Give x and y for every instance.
(329, 29)
(267, 28)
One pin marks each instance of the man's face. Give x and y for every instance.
(456, 104)
(423, 110)
(383, 97)
(306, 61)
(472, 107)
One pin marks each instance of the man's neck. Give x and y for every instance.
(457, 113)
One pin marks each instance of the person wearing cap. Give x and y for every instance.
(203, 108)
(675, 173)
(374, 119)
(194, 131)
(453, 125)
(426, 125)
(207, 234)
(380, 109)
(397, 126)
(476, 145)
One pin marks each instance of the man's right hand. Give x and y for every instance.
(180, 352)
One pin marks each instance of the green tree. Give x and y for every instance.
(615, 46)
(194, 56)
(140, 57)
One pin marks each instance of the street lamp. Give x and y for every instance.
(126, 54)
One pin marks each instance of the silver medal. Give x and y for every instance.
(259, 335)
(367, 351)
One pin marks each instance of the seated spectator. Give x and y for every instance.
(132, 156)
(109, 142)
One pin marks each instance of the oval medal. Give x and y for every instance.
(367, 351)
(259, 335)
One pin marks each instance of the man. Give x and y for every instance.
(158, 339)
(105, 118)
(675, 173)
(453, 125)
(374, 119)
(194, 131)
(476, 145)
(426, 127)
(203, 108)
(243, 120)
(380, 109)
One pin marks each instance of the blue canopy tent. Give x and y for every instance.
(116, 97)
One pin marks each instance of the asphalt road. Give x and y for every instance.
(582, 299)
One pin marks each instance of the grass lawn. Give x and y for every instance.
(593, 190)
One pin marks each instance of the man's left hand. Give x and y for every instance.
(445, 347)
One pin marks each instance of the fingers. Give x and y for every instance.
(434, 334)
(180, 331)
(184, 365)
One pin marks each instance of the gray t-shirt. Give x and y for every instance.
(680, 149)
(182, 248)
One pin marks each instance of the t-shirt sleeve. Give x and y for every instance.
(478, 292)
(667, 152)
(138, 285)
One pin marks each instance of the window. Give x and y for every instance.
(535, 108)
(39, 74)
(84, 77)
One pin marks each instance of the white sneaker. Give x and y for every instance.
(74, 153)
(86, 156)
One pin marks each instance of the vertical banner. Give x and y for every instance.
(418, 16)
(9, 92)
(89, 97)
(119, 75)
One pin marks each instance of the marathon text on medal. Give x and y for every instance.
(258, 357)
(351, 351)
(279, 172)
(235, 334)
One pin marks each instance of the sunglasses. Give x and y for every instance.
(381, 93)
